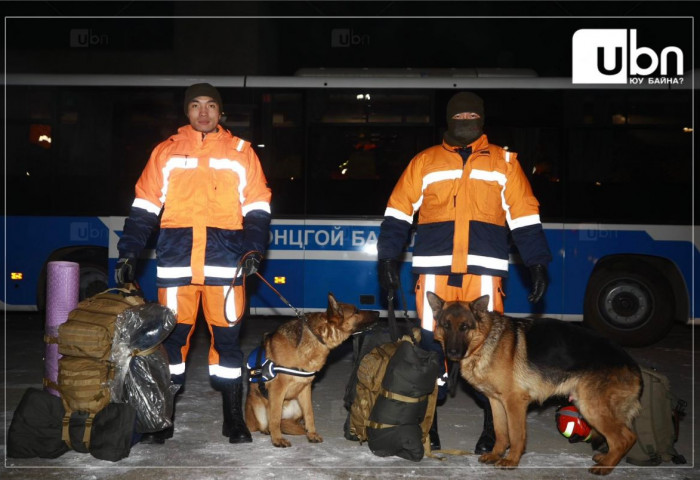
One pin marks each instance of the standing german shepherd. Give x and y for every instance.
(516, 361)
(304, 345)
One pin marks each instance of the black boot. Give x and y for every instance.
(158, 437)
(433, 433)
(234, 425)
(488, 436)
(161, 436)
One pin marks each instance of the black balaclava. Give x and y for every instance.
(461, 133)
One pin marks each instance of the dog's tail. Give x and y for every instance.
(292, 427)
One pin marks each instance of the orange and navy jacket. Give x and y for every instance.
(466, 205)
(211, 197)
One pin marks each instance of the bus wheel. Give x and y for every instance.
(631, 308)
(93, 280)
(93, 274)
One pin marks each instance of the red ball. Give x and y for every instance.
(572, 425)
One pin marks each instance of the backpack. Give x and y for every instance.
(363, 343)
(84, 371)
(656, 425)
(395, 399)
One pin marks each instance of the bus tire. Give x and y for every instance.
(93, 280)
(630, 306)
(94, 277)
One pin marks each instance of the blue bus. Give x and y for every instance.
(611, 167)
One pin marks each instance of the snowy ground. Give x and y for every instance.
(199, 452)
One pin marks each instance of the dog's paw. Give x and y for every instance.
(600, 469)
(598, 458)
(506, 463)
(489, 458)
(314, 437)
(265, 432)
(281, 442)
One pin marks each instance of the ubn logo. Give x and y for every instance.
(605, 56)
(82, 37)
(345, 37)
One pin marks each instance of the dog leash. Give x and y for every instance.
(301, 316)
(391, 317)
(239, 267)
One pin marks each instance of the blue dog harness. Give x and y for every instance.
(261, 369)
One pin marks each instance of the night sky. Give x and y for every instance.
(278, 38)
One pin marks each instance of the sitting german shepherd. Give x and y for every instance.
(516, 361)
(283, 403)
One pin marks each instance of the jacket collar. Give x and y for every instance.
(479, 144)
(190, 133)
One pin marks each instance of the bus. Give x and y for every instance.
(612, 168)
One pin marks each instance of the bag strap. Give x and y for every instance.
(88, 430)
(145, 352)
(65, 430)
(375, 425)
(48, 383)
(402, 398)
(127, 290)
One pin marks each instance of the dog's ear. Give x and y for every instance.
(334, 308)
(481, 304)
(435, 302)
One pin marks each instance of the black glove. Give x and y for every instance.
(251, 263)
(389, 274)
(124, 271)
(538, 273)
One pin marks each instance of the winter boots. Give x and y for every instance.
(488, 436)
(234, 425)
(433, 434)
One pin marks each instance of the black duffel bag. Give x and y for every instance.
(397, 416)
(37, 426)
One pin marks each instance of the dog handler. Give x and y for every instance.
(470, 195)
(207, 191)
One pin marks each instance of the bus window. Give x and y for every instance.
(540, 155)
(355, 168)
(359, 143)
(638, 154)
(280, 147)
(142, 119)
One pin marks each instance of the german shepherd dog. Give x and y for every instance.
(516, 361)
(305, 345)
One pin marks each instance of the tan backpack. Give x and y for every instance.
(85, 341)
(369, 386)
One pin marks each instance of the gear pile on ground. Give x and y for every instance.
(113, 332)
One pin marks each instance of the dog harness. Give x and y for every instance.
(261, 369)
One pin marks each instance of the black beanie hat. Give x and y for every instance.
(465, 102)
(202, 90)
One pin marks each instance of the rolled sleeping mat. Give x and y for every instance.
(62, 292)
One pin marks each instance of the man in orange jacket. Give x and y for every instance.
(471, 196)
(206, 190)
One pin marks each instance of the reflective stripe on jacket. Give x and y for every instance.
(215, 206)
(464, 212)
